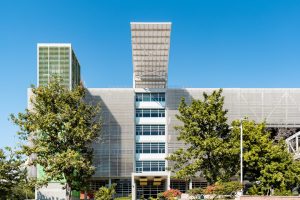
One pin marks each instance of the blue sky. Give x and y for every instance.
(213, 44)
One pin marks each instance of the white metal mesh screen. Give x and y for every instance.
(114, 152)
(150, 54)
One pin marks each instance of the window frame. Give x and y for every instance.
(150, 97)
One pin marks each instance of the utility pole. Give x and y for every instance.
(241, 156)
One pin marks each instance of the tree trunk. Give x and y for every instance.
(69, 192)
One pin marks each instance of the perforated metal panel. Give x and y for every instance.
(150, 54)
(279, 107)
(114, 151)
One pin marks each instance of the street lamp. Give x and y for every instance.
(241, 156)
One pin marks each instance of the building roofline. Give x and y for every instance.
(55, 44)
(150, 22)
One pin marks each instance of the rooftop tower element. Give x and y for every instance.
(57, 60)
(150, 54)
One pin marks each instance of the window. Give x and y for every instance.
(161, 147)
(161, 113)
(146, 148)
(155, 97)
(150, 147)
(150, 166)
(139, 113)
(154, 148)
(150, 97)
(147, 113)
(139, 97)
(150, 113)
(139, 166)
(147, 166)
(146, 97)
(156, 166)
(139, 148)
(154, 113)
(139, 130)
(146, 130)
(150, 130)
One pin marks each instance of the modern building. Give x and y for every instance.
(57, 60)
(138, 122)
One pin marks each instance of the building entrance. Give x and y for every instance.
(149, 188)
(146, 185)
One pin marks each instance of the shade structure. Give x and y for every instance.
(150, 54)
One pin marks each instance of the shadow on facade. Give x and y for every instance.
(113, 150)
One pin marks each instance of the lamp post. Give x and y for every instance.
(241, 156)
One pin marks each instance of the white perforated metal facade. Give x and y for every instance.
(278, 107)
(114, 151)
(150, 54)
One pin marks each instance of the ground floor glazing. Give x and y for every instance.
(146, 186)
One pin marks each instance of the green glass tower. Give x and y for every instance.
(57, 60)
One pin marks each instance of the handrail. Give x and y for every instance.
(293, 145)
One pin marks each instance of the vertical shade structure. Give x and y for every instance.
(58, 60)
(150, 54)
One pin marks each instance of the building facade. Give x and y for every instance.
(138, 123)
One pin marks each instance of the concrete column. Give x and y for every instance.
(169, 181)
(133, 188)
(109, 182)
(166, 184)
(190, 184)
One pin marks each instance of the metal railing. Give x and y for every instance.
(293, 145)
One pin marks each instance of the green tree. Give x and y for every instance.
(61, 127)
(266, 160)
(10, 172)
(105, 193)
(13, 176)
(24, 190)
(206, 134)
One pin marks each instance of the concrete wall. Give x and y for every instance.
(51, 192)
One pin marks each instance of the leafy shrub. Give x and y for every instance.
(261, 190)
(231, 187)
(223, 188)
(160, 195)
(195, 191)
(105, 193)
(254, 190)
(124, 198)
(152, 198)
(283, 192)
(171, 194)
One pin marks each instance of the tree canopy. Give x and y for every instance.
(60, 126)
(266, 161)
(13, 176)
(212, 148)
(206, 134)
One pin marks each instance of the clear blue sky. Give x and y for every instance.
(213, 44)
